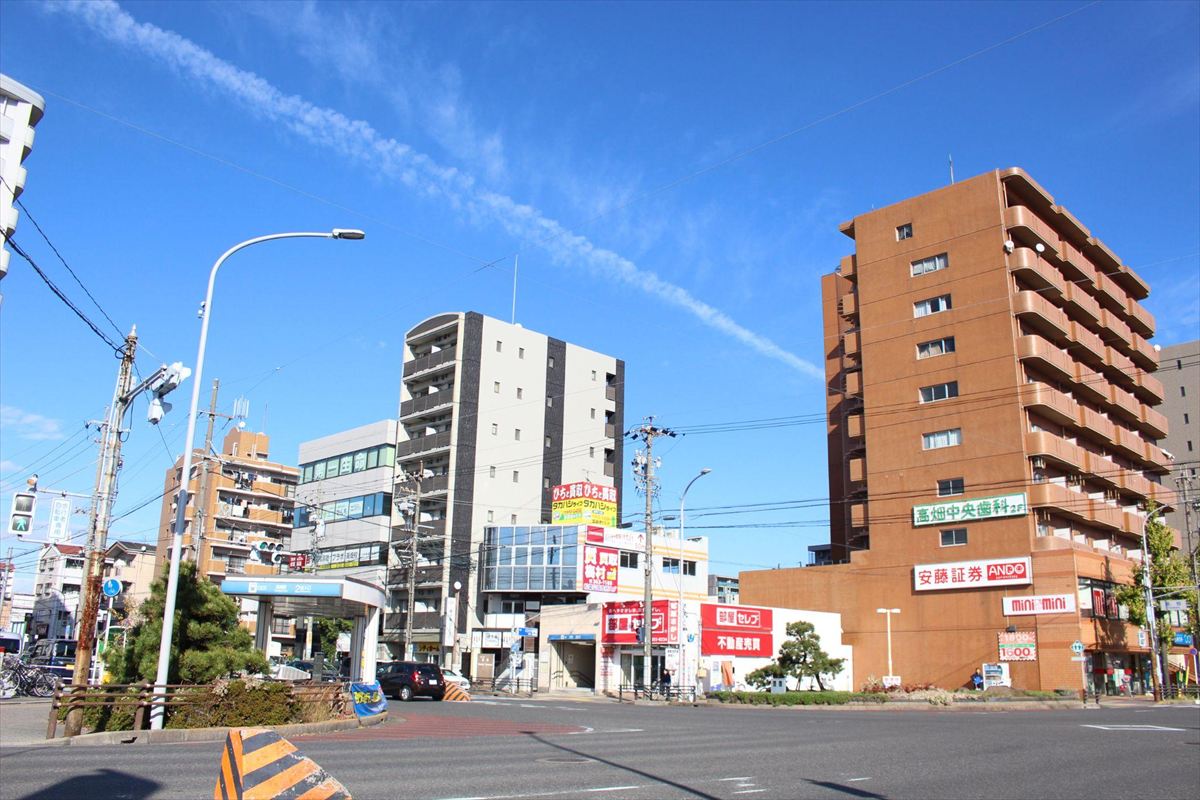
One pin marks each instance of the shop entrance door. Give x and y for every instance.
(631, 668)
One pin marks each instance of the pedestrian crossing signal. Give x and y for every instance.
(20, 518)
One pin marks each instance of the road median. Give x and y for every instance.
(186, 735)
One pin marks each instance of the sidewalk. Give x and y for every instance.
(23, 721)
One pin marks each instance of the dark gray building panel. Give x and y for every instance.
(556, 386)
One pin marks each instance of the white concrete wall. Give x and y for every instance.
(827, 625)
(583, 437)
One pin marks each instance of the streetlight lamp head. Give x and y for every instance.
(705, 471)
(881, 611)
(348, 233)
(457, 586)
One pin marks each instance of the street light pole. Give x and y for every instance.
(888, 613)
(158, 712)
(1151, 617)
(682, 615)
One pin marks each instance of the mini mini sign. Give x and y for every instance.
(981, 508)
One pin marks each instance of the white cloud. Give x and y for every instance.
(359, 141)
(27, 425)
(365, 46)
(7, 466)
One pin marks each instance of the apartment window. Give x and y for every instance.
(939, 439)
(670, 566)
(903, 232)
(499, 345)
(591, 452)
(936, 347)
(1183, 391)
(549, 402)
(593, 374)
(939, 391)
(520, 393)
(491, 516)
(550, 362)
(491, 472)
(512, 520)
(629, 559)
(520, 352)
(1186, 418)
(593, 413)
(931, 264)
(545, 483)
(517, 434)
(950, 487)
(516, 476)
(933, 305)
(547, 442)
(496, 387)
(495, 428)
(1189, 444)
(954, 537)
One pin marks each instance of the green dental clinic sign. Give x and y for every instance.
(1005, 505)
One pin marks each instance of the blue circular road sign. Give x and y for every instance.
(111, 587)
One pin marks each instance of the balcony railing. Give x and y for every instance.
(848, 267)
(437, 483)
(1042, 314)
(1144, 354)
(431, 361)
(423, 444)
(1050, 402)
(1030, 229)
(1047, 445)
(1027, 264)
(429, 402)
(1140, 319)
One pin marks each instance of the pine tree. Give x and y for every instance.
(209, 643)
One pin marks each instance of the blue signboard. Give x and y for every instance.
(275, 588)
(1183, 639)
(527, 631)
(369, 699)
(572, 637)
(111, 587)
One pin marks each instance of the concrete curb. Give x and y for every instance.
(922, 706)
(178, 735)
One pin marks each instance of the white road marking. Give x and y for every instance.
(743, 778)
(856, 780)
(1134, 728)
(750, 791)
(594, 790)
(586, 729)
(613, 730)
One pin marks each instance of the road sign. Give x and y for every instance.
(527, 631)
(1079, 658)
(1173, 605)
(1077, 647)
(111, 587)
(60, 520)
(20, 518)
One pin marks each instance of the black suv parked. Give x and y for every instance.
(405, 680)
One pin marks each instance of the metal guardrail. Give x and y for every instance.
(668, 694)
(142, 697)
(503, 684)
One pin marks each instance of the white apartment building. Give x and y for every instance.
(21, 109)
(56, 591)
(492, 416)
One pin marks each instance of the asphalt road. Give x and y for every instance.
(512, 750)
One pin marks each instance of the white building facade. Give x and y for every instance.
(21, 109)
(492, 417)
(56, 591)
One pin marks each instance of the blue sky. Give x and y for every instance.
(672, 176)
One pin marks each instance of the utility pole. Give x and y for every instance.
(110, 457)
(644, 465)
(410, 650)
(201, 512)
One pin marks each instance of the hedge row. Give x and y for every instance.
(797, 698)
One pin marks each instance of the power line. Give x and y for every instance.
(116, 348)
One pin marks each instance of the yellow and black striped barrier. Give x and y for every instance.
(259, 764)
(456, 693)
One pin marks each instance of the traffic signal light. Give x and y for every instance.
(20, 518)
(270, 552)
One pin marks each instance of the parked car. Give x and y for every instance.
(405, 680)
(56, 656)
(453, 676)
(10, 643)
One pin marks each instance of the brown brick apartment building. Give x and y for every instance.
(992, 434)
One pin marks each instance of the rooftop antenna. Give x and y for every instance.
(516, 263)
(950, 156)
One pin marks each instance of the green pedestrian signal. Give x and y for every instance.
(20, 518)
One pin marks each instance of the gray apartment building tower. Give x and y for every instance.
(1179, 371)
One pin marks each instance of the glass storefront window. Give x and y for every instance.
(319, 471)
(522, 536)
(537, 536)
(372, 459)
(360, 460)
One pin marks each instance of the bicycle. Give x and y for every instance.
(17, 677)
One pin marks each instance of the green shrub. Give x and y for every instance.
(828, 698)
(234, 704)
